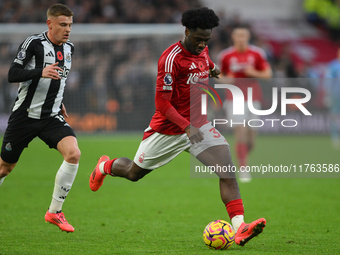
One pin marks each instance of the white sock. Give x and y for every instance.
(2, 180)
(236, 221)
(101, 167)
(62, 185)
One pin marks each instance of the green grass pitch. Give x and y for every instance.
(166, 212)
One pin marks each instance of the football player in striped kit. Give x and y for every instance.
(41, 66)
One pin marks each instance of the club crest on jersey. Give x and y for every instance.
(21, 55)
(68, 57)
(141, 157)
(8, 147)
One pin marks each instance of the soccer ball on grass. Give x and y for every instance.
(219, 235)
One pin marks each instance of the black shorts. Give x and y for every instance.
(21, 130)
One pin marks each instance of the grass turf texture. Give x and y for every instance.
(166, 212)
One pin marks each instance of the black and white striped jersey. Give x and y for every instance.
(40, 97)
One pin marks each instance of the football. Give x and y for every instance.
(219, 235)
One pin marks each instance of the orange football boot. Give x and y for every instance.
(59, 220)
(247, 231)
(97, 178)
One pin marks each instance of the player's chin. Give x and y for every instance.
(198, 51)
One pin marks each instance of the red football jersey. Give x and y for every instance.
(181, 73)
(233, 63)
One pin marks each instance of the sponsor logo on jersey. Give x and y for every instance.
(60, 118)
(60, 56)
(198, 77)
(8, 147)
(21, 54)
(193, 66)
(63, 73)
(239, 66)
(49, 54)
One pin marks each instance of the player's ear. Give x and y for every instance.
(49, 23)
(187, 32)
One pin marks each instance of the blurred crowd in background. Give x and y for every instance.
(118, 76)
(324, 14)
(101, 11)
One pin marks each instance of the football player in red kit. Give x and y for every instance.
(241, 63)
(173, 128)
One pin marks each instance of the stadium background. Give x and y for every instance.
(111, 85)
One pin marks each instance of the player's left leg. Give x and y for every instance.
(59, 135)
(230, 194)
(64, 179)
(220, 155)
(215, 151)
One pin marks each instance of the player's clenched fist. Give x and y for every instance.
(215, 72)
(51, 71)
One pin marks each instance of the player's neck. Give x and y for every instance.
(183, 43)
(241, 48)
(50, 37)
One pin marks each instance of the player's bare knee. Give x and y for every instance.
(230, 182)
(134, 177)
(73, 156)
(6, 169)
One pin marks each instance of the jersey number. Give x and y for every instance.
(215, 132)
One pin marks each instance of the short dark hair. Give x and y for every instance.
(203, 18)
(56, 10)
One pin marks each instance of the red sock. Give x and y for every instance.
(242, 153)
(235, 207)
(108, 166)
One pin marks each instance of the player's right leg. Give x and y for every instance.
(154, 151)
(18, 135)
(120, 167)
